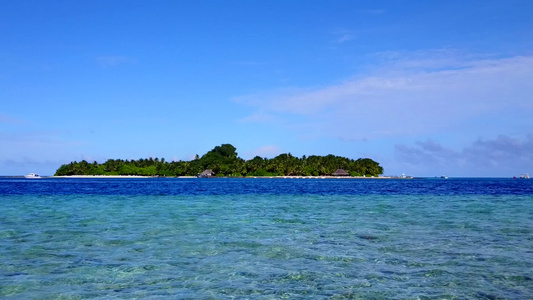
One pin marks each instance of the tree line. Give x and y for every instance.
(224, 161)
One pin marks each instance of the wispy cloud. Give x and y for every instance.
(345, 38)
(113, 61)
(343, 35)
(258, 118)
(407, 96)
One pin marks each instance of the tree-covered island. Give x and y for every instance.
(224, 161)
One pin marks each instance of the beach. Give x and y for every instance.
(257, 177)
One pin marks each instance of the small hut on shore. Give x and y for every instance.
(341, 172)
(206, 174)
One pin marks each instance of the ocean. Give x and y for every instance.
(175, 238)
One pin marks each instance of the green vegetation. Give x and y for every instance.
(224, 161)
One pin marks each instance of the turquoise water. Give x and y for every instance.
(266, 239)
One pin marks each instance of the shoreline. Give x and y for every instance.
(113, 176)
(247, 177)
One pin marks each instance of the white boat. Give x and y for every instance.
(32, 176)
(524, 176)
(444, 177)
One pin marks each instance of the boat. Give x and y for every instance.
(524, 176)
(32, 176)
(444, 177)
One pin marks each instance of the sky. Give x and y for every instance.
(425, 88)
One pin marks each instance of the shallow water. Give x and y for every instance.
(266, 238)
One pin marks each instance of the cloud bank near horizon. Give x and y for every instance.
(501, 156)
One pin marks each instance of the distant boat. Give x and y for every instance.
(524, 176)
(32, 176)
(444, 177)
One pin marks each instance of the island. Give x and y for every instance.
(223, 161)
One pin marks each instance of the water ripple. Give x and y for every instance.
(327, 244)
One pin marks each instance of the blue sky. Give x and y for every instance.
(423, 87)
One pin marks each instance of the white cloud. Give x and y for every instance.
(420, 94)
